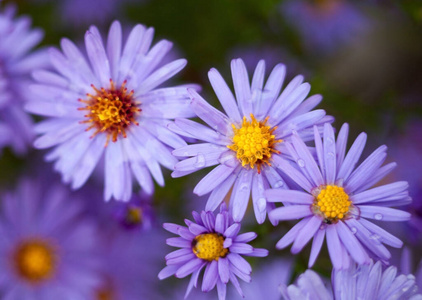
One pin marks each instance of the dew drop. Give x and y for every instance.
(354, 230)
(278, 184)
(374, 237)
(301, 163)
(331, 155)
(185, 153)
(330, 141)
(378, 217)
(227, 159)
(200, 160)
(262, 204)
(244, 187)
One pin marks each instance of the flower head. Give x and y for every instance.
(17, 40)
(244, 142)
(364, 282)
(43, 255)
(335, 199)
(110, 106)
(214, 243)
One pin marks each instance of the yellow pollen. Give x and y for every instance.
(110, 110)
(35, 260)
(254, 142)
(133, 215)
(332, 203)
(209, 246)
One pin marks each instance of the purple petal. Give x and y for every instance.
(290, 236)
(213, 179)
(289, 196)
(232, 231)
(240, 195)
(179, 242)
(352, 245)
(241, 86)
(218, 194)
(383, 213)
(167, 272)
(258, 198)
(334, 246)
(241, 248)
(306, 233)
(292, 212)
(290, 171)
(316, 246)
(341, 144)
(352, 157)
(245, 237)
(223, 269)
(189, 267)
(329, 154)
(381, 234)
(210, 276)
(376, 194)
(239, 262)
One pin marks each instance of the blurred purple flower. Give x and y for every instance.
(337, 198)
(17, 40)
(135, 214)
(48, 249)
(244, 142)
(365, 282)
(211, 242)
(324, 25)
(130, 131)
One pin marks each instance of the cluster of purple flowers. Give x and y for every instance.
(109, 113)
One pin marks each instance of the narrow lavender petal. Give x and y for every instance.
(232, 230)
(189, 268)
(240, 195)
(364, 235)
(274, 178)
(329, 154)
(245, 237)
(241, 86)
(223, 269)
(166, 136)
(181, 259)
(201, 132)
(185, 233)
(143, 176)
(258, 252)
(219, 224)
(352, 245)
(212, 179)
(258, 198)
(307, 162)
(366, 169)
(352, 157)
(213, 117)
(192, 282)
(224, 95)
(341, 144)
(170, 227)
(114, 48)
(218, 194)
(377, 177)
(77, 60)
(98, 58)
(309, 104)
(334, 247)
(289, 196)
(178, 253)
(290, 171)
(290, 236)
(179, 242)
(307, 232)
(291, 212)
(383, 213)
(299, 123)
(197, 162)
(210, 276)
(316, 246)
(167, 272)
(241, 248)
(381, 234)
(258, 76)
(195, 149)
(319, 150)
(197, 229)
(208, 219)
(236, 284)
(221, 290)
(380, 192)
(239, 262)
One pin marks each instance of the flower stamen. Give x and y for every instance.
(209, 246)
(332, 203)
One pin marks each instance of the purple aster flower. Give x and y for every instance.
(135, 214)
(110, 107)
(130, 262)
(244, 142)
(337, 199)
(366, 282)
(17, 40)
(48, 249)
(211, 242)
(325, 25)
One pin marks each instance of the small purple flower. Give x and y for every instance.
(48, 249)
(135, 214)
(366, 282)
(17, 61)
(244, 142)
(110, 107)
(211, 242)
(336, 199)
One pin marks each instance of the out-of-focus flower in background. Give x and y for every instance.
(17, 60)
(110, 108)
(48, 248)
(244, 141)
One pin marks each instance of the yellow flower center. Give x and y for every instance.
(209, 246)
(332, 203)
(133, 215)
(111, 111)
(254, 142)
(35, 260)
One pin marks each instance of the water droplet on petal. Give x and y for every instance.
(262, 204)
(278, 184)
(330, 141)
(331, 155)
(301, 163)
(374, 237)
(185, 153)
(378, 217)
(228, 159)
(200, 160)
(244, 187)
(354, 230)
